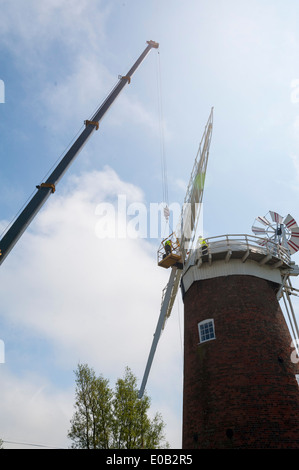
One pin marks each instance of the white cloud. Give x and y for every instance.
(84, 278)
(93, 300)
(295, 160)
(76, 24)
(32, 413)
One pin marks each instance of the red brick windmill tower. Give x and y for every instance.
(240, 389)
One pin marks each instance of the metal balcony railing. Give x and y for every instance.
(240, 246)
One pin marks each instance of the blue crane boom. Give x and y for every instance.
(45, 189)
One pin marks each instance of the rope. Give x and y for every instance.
(162, 140)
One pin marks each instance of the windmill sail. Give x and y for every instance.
(160, 324)
(186, 234)
(193, 199)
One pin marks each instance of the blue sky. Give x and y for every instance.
(68, 296)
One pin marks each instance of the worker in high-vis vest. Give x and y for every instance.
(168, 247)
(203, 244)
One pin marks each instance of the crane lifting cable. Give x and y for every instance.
(162, 143)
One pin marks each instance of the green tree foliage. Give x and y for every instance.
(113, 419)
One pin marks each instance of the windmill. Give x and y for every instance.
(282, 231)
(182, 241)
(233, 360)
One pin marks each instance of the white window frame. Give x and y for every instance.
(202, 339)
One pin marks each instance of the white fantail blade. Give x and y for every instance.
(258, 230)
(293, 247)
(263, 220)
(262, 242)
(290, 222)
(276, 217)
(293, 243)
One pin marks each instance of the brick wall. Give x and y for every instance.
(240, 389)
